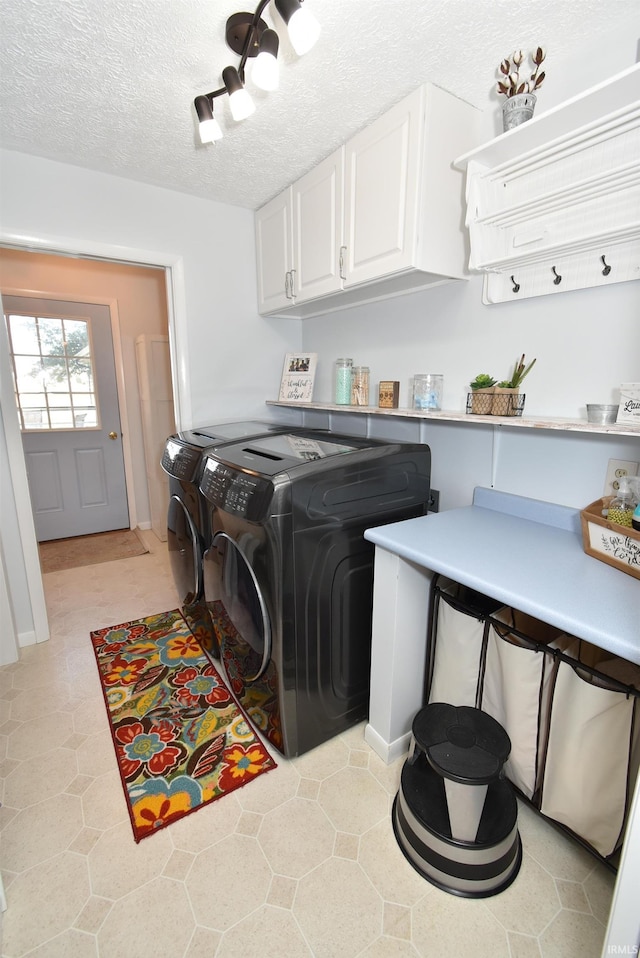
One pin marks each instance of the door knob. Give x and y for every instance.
(113, 435)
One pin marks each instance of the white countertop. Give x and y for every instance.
(529, 555)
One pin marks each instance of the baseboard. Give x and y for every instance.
(27, 638)
(388, 751)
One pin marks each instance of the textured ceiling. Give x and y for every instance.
(109, 84)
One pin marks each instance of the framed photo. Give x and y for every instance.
(298, 374)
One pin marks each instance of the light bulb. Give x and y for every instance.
(207, 124)
(304, 30)
(265, 72)
(210, 131)
(241, 105)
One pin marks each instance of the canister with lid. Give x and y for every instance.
(360, 386)
(342, 385)
(427, 391)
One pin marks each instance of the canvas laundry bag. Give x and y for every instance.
(592, 754)
(518, 681)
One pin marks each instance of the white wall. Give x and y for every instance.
(586, 343)
(447, 330)
(229, 352)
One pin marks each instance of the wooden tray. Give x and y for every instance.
(618, 546)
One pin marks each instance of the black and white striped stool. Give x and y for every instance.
(455, 815)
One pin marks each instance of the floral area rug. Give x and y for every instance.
(181, 740)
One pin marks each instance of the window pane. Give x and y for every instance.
(76, 337)
(24, 336)
(84, 416)
(29, 375)
(51, 338)
(34, 415)
(55, 374)
(61, 418)
(56, 400)
(81, 374)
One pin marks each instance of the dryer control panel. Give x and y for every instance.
(236, 492)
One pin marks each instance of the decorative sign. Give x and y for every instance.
(297, 377)
(388, 394)
(629, 408)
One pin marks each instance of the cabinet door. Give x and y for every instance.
(382, 192)
(274, 253)
(317, 229)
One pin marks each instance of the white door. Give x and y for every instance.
(382, 191)
(274, 251)
(66, 393)
(317, 229)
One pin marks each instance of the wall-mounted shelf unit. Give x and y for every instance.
(522, 422)
(554, 204)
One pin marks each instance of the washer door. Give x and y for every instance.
(243, 603)
(184, 546)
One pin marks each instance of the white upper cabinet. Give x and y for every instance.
(274, 254)
(317, 229)
(383, 192)
(382, 216)
(554, 204)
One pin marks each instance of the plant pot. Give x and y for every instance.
(517, 109)
(482, 401)
(506, 402)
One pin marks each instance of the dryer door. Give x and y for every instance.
(184, 552)
(236, 587)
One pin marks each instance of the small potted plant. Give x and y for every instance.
(520, 94)
(504, 401)
(482, 394)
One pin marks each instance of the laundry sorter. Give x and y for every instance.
(571, 710)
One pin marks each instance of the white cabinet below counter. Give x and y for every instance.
(381, 216)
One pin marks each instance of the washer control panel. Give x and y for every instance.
(179, 460)
(235, 492)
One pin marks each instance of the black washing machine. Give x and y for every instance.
(187, 517)
(288, 577)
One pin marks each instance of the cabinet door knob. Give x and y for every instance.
(287, 281)
(343, 250)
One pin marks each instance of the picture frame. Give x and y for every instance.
(629, 408)
(298, 375)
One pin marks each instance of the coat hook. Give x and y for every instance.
(558, 278)
(516, 286)
(607, 268)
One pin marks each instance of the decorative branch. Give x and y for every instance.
(510, 83)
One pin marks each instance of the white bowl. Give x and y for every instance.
(601, 414)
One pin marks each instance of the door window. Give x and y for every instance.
(53, 372)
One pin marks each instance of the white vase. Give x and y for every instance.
(517, 109)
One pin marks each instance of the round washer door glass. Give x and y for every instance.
(239, 592)
(184, 552)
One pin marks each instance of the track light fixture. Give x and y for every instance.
(248, 35)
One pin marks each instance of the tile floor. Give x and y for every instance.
(300, 863)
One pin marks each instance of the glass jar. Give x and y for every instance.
(360, 386)
(427, 391)
(622, 506)
(342, 386)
